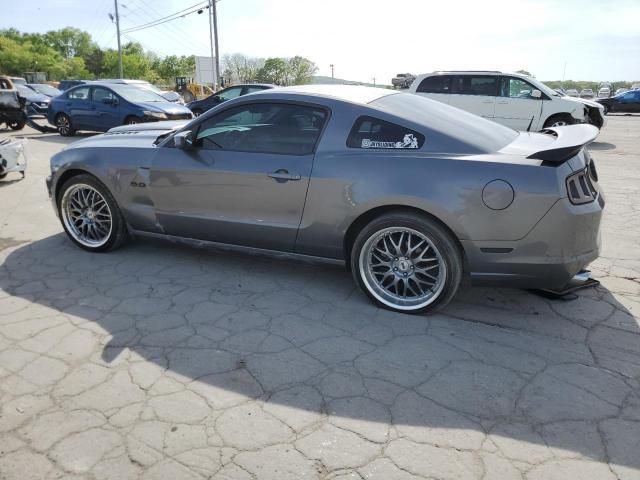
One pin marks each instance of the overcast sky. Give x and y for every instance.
(598, 40)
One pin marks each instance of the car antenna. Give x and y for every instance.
(529, 127)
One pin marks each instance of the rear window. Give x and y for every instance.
(449, 129)
(436, 84)
(373, 133)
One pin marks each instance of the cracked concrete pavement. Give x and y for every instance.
(168, 362)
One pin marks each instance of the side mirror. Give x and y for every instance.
(217, 98)
(183, 140)
(536, 94)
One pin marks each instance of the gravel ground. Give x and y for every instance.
(166, 362)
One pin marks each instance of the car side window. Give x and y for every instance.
(230, 93)
(373, 133)
(279, 128)
(435, 84)
(79, 94)
(485, 85)
(99, 94)
(515, 88)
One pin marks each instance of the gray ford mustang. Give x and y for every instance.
(410, 193)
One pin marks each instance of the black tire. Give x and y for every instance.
(559, 120)
(441, 241)
(197, 112)
(118, 234)
(132, 120)
(2, 175)
(64, 125)
(19, 125)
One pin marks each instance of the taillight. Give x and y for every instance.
(580, 187)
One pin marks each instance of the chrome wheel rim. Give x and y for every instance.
(86, 215)
(402, 268)
(63, 125)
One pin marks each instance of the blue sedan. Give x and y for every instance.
(99, 107)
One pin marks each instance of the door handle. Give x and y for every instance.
(503, 103)
(283, 175)
(487, 101)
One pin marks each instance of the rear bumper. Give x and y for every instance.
(561, 244)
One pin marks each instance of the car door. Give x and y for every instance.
(436, 87)
(629, 102)
(78, 108)
(105, 108)
(244, 178)
(515, 107)
(475, 94)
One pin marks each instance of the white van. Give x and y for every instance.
(514, 100)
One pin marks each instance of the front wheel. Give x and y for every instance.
(407, 263)
(559, 120)
(90, 214)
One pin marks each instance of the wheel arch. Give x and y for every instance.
(365, 218)
(68, 174)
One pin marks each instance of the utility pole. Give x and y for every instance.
(564, 71)
(119, 47)
(331, 71)
(214, 14)
(214, 59)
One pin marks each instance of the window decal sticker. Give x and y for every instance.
(409, 141)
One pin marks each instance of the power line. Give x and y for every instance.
(169, 18)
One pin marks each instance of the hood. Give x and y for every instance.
(36, 97)
(172, 96)
(161, 127)
(141, 135)
(165, 107)
(584, 101)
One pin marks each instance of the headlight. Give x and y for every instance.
(159, 115)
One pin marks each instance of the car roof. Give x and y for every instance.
(266, 85)
(348, 93)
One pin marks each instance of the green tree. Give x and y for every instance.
(300, 70)
(70, 42)
(274, 70)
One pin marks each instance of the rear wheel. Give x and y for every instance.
(64, 125)
(406, 263)
(90, 214)
(559, 120)
(132, 120)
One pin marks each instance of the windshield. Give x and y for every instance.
(136, 94)
(456, 127)
(45, 89)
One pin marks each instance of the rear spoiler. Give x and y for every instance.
(569, 141)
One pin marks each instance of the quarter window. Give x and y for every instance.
(266, 128)
(79, 93)
(373, 133)
(485, 85)
(515, 88)
(435, 84)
